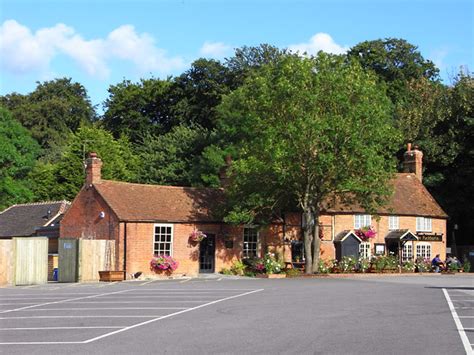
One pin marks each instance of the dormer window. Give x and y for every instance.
(362, 220)
(393, 223)
(423, 224)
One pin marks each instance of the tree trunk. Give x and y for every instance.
(308, 240)
(316, 242)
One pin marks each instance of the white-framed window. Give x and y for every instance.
(362, 220)
(393, 223)
(407, 251)
(423, 250)
(163, 239)
(423, 224)
(364, 250)
(250, 249)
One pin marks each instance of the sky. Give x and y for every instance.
(102, 42)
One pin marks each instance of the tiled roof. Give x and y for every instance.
(410, 198)
(22, 220)
(140, 202)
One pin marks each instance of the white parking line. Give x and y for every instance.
(146, 283)
(96, 309)
(457, 321)
(51, 317)
(61, 328)
(62, 301)
(169, 316)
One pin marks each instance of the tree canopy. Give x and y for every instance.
(18, 152)
(306, 129)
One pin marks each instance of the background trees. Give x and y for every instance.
(173, 126)
(18, 152)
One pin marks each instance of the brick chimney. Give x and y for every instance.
(413, 161)
(223, 173)
(93, 169)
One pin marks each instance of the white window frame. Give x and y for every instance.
(423, 249)
(407, 251)
(158, 251)
(364, 250)
(423, 224)
(393, 223)
(245, 248)
(362, 220)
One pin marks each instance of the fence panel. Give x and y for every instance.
(31, 260)
(6, 262)
(95, 256)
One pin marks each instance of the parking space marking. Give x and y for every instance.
(96, 309)
(465, 340)
(62, 301)
(60, 328)
(113, 316)
(170, 315)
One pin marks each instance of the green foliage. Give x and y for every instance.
(422, 265)
(466, 266)
(65, 177)
(51, 112)
(292, 272)
(385, 262)
(18, 151)
(138, 109)
(408, 266)
(238, 268)
(171, 159)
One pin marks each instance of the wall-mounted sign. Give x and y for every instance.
(430, 237)
(67, 245)
(379, 249)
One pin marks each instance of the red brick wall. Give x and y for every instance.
(83, 220)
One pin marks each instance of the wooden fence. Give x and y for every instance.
(6, 262)
(24, 261)
(80, 260)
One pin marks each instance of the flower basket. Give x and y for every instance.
(163, 263)
(366, 233)
(197, 236)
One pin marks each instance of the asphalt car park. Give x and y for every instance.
(390, 315)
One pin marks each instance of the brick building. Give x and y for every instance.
(149, 219)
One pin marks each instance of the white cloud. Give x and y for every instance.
(23, 51)
(319, 42)
(214, 49)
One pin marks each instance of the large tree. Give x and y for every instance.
(307, 129)
(18, 151)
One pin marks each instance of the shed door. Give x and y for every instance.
(207, 249)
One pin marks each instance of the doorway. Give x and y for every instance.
(207, 250)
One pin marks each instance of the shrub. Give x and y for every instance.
(347, 264)
(238, 268)
(466, 267)
(385, 262)
(408, 266)
(325, 267)
(225, 271)
(363, 265)
(422, 265)
(293, 272)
